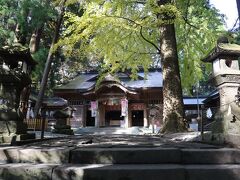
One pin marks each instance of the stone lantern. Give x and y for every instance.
(61, 117)
(226, 78)
(16, 64)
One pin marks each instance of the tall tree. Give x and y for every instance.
(49, 60)
(173, 113)
(126, 34)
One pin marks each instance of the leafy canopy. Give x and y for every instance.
(124, 34)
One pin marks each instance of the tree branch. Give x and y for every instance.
(235, 24)
(141, 27)
(124, 18)
(138, 2)
(150, 42)
(187, 22)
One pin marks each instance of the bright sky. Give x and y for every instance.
(229, 8)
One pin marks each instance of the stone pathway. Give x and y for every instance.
(47, 134)
(120, 140)
(112, 137)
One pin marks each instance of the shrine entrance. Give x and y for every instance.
(113, 113)
(90, 121)
(113, 118)
(137, 118)
(110, 103)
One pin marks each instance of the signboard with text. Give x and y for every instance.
(94, 106)
(124, 107)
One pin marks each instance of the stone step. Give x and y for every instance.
(137, 155)
(23, 171)
(125, 155)
(210, 156)
(147, 172)
(154, 156)
(35, 154)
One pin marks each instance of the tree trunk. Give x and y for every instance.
(24, 100)
(173, 112)
(238, 8)
(49, 62)
(35, 40)
(20, 37)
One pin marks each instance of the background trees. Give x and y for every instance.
(31, 24)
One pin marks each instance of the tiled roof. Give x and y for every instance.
(193, 100)
(49, 101)
(153, 79)
(86, 81)
(212, 97)
(82, 82)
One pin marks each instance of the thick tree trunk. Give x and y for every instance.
(173, 112)
(49, 62)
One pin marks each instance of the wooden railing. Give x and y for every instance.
(35, 124)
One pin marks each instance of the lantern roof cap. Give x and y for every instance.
(224, 50)
(16, 52)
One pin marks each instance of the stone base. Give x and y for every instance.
(214, 138)
(12, 138)
(63, 131)
(233, 139)
(219, 138)
(15, 127)
(62, 127)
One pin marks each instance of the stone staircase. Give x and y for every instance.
(119, 163)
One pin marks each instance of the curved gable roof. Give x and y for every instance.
(87, 81)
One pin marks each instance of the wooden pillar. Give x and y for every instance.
(126, 120)
(129, 117)
(97, 120)
(101, 115)
(145, 118)
(84, 116)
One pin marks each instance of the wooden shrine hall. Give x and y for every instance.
(117, 101)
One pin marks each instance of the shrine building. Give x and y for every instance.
(117, 101)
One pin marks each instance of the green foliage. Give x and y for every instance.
(116, 35)
(196, 35)
(39, 57)
(8, 21)
(125, 34)
(28, 14)
(55, 75)
(113, 34)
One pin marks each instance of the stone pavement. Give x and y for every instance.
(119, 140)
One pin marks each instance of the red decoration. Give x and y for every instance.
(137, 106)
